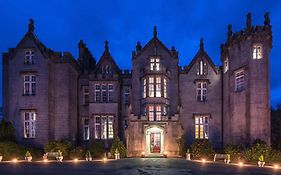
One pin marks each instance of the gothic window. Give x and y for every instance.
(29, 124)
(151, 113)
(97, 93)
(151, 86)
(104, 93)
(126, 95)
(104, 127)
(29, 84)
(110, 93)
(201, 93)
(29, 57)
(86, 129)
(158, 86)
(158, 112)
(226, 65)
(154, 64)
(201, 127)
(165, 87)
(86, 95)
(202, 68)
(257, 51)
(97, 127)
(239, 81)
(144, 88)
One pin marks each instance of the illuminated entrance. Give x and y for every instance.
(154, 141)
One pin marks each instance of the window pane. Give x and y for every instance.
(104, 127)
(110, 127)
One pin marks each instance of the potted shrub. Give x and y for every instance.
(1, 157)
(188, 155)
(261, 161)
(88, 156)
(28, 156)
(59, 157)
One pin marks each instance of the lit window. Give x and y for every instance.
(151, 86)
(165, 110)
(110, 93)
(239, 81)
(226, 66)
(29, 84)
(151, 113)
(158, 86)
(202, 68)
(103, 93)
(158, 112)
(29, 124)
(103, 127)
(97, 93)
(86, 95)
(29, 57)
(97, 127)
(126, 95)
(201, 91)
(201, 127)
(110, 127)
(144, 88)
(257, 51)
(154, 64)
(86, 129)
(165, 88)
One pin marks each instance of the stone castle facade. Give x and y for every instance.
(49, 95)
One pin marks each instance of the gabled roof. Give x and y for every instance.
(201, 54)
(107, 56)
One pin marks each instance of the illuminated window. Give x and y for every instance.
(97, 93)
(158, 86)
(201, 94)
(151, 113)
(165, 110)
(29, 84)
(110, 127)
(201, 127)
(86, 95)
(97, 127)
(226, 66)
(202, 68)
(144, 88)
(86, 129)
(126, 95)
(29, 57)
(29, 124)
(158, 112)
(165, 87)
(110, 93)
(239, 81)
(103, 127)
(257, 51)
(151, 86)
(154, 64)
(104, 93)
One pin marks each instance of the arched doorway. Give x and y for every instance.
(154, 140)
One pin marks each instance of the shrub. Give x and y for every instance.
(10, 150)
(259, 149)
(96, 148)
(202, 148)
(182, 146)
(234, 151)
(7, 132)
(77, 153)
(118, 144)
(54, 146)
(274, 156)
(36, 153)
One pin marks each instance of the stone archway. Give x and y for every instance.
(154, 140)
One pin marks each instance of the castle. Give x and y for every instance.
(50, 95)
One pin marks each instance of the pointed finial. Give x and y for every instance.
(81, 43)
(229, 31)
(138, 46)
(249, 21)
(31, 25)
(201, 44)
(173, 49)
(266, 19)
(155, 32)
(106, 48)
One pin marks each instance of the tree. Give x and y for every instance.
(7, 132)
(118, 144)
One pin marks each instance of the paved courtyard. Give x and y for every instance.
(149, 166)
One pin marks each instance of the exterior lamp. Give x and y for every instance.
(142, 154)
(15, 160)
(75, 160)
(240, 163)
(276, 167)
(45, 160)
(203, 160)
(105, 159)
(165, 154)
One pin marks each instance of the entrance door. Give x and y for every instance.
(155, 142)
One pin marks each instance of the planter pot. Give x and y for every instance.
(60, 158)
(28, 158)
(1, 157)
(88, 158)
(187, 156)
(261, 164)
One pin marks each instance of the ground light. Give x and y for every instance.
(276, 167)
(142, 154)
(75, 160)
(165, 154)
(240, 163)
(105, 159)
(45, 160)
(203, 160)
(15, 160)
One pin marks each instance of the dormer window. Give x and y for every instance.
(154, 64)
(257, 51)
(202, 68)
(29, 57)
(226, 65)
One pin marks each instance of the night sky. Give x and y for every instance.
(60, 24)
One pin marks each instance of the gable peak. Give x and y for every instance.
(31, 25)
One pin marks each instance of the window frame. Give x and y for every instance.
(110, 93)
(151, 90)
(158, 90)
(29, 124)
(86, 95)
(29, 84)
(201, 126)
(126, 95)
(86, 129)
(154, 64)
(202, 91)
(29, 56)
(97, 93)
(239, 80)
(257, 51)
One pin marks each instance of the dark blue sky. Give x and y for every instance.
(60, 24)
